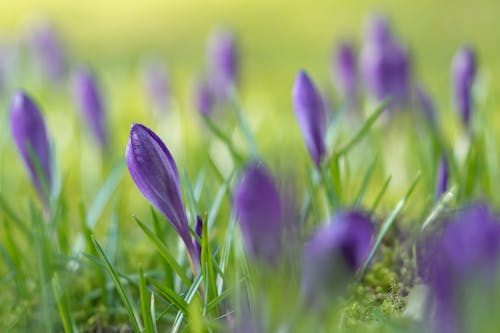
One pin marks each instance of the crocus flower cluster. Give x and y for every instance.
(89, 101)
(30, 136)
(154, 171)
(385, 66)
(463, 75)
(464, 255)
(310, 111)
(333, 254)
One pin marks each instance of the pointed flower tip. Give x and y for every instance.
(258, 208)
(154, 171)
(464, 68)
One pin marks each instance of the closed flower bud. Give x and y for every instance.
(442, 177)
(153, 170)
(30, 136)
(48, 50)
(258, 209)
(425, 104)
(88, 99)
(222, 61)
(333, 254)
(310, 112)
(156, 85)
(464, 68)
(345, 72)
(204, 98)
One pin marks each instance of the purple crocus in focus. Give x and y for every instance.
(385, 65)
(89, 101)
(49, 52)
(333, 254)
(153, 170)
(345, 72)
(258, 209)
(222, 62)
(310, 111)
(464, 255)
(30, 136)
(442, 177)
(156, 85)
(464, 68)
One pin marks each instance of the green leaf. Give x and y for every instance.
(381, 194)
(189, 296)
(63, 307)
(119, 287)
(238, 159)
(207, 268)
(147, 317)
(364, 184)
(171, 296)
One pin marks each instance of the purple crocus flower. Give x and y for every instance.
(222, 61)
(49, 52)
(463, 74)
(345, 72)
(198, 230)
(258, 208)
(385, 65)
(153, 170)
(334, 253)
(464, 255)
(310, 111)
(88, 99)
(425, 104)
(442, 178)
(204, 98)
(156, 85)
(30, 136)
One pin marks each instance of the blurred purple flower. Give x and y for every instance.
(88, 99)
(30, 136)
(198, 230)
(153, 170)
(385, 65)
(464, 68)
(258, 208)
(442, 178)
(156, 85)
(204, 98)
(49, 52)
(345, 72)
(333, 254)
(425, 104)
(467, 249)
(222, 62)
(310, 111)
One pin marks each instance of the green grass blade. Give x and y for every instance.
(381, 194)
(162, 249)
(119, 287)
(387, 225)
(63, 307)
(224, 139)
(147, 317)
(189, 296)
(438, 207)
(207, 268)
(364, 185)
(171, 296)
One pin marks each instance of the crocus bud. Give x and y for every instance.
(425, 104)
(310, 111)
(30, 136)
(442, 178)
(464, 256)
(333, 254)
(222, 61)
(156, 85)
(153, 170)
(204, 98)
(88, 99)
(198, 230)
(48, 51)
(463, 74)
(345, 71)
(258, 208)
(385, 66)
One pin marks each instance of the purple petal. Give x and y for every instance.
(88, 99)
(222, 60)
(258, 208)
(311, 116)
(346, 71)
(204, 98)
(156, 85)
(48, 49)
(463, 75)
(425, 103)
(153, 170)
(30, 136)
(442, 178)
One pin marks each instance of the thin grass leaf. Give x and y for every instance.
(171, 296)
(219, 197)
(13, 216)
(381, 194)
(198, 185)
(119, 287)
(160, 234)
(189, 296)
(438, 207)
(207, 268)
(238, 159)
(226, 251)
(363, 131)
(364, 184)
(162, 249)
(388, 224)
(152, 310)
(244, 126)
(63, 307)
(147, 317)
